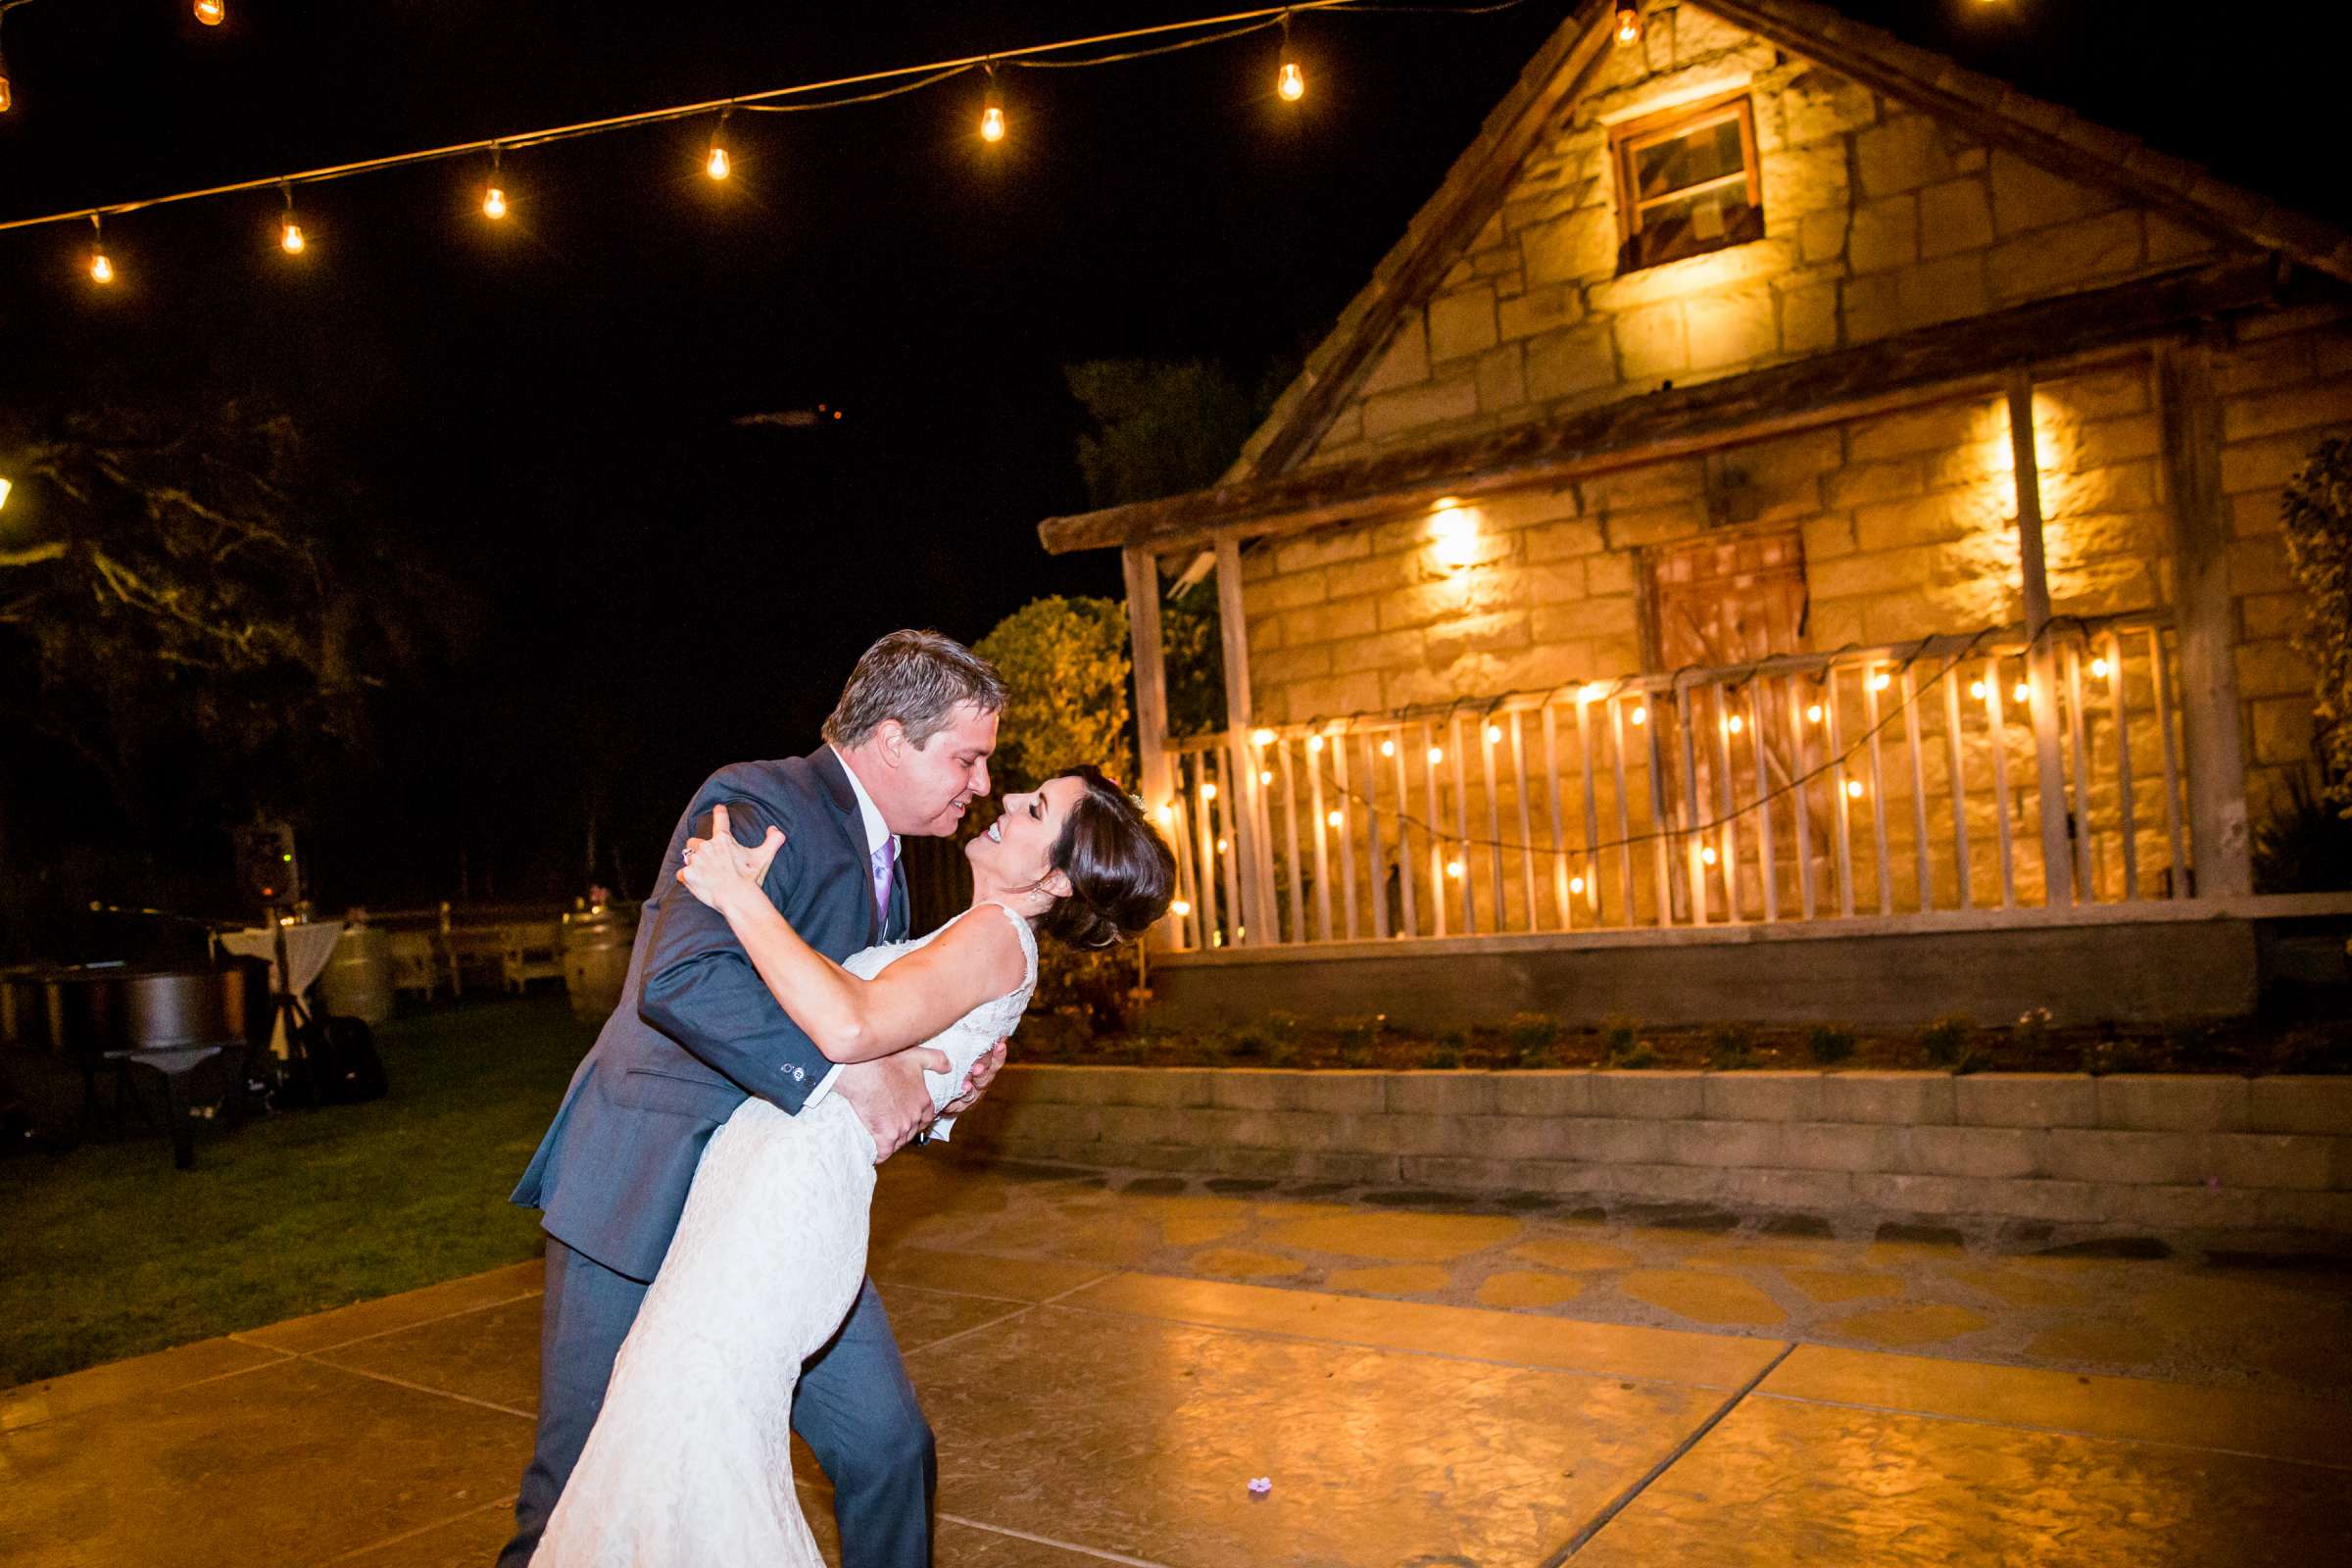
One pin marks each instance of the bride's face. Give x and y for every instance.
(1017, 849)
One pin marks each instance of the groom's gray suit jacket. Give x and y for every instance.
(696, 1032)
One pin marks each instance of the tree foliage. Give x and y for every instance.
(1161, 427)
(2318, 511)
(1065, 668)
(179, 596)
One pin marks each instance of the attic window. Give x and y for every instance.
(1687, 182)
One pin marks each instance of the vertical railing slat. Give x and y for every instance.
(1527, 832)
(1878, 786)
(1695, 844)
(1800, 793)
(1997, 729)
(2120, 716)
(1375, 859)
(1461, 816)
(1766, 871)
(1955, 764)
(2087, 864)
(2171, 761)
(1552, 778)
(1312, 749)
(1430, 759)
(1660, 832)
(1289, 838)
(1919, 792)
(1344, 827)
(1231, 801)
(1834, 732)
(1411, 925)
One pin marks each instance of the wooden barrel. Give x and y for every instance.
(357, 983)
(595, 957)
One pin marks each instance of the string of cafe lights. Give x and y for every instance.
(1681, 837)
(719, 155)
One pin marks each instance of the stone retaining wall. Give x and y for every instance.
(2141, 1151)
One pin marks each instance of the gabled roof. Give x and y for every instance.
(2047, 134)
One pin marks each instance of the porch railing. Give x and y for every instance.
(1880, 781)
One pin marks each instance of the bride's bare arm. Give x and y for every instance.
(850, 1019)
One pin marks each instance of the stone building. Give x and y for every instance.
(1784, 488)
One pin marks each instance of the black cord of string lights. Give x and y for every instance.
(1960, 656)
(817, 95)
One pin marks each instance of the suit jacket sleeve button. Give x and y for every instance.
(798, 1073)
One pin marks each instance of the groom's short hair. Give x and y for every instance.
(916, 677)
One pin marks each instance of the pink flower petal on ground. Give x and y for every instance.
(1260, 1485)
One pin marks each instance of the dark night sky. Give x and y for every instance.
(545, 404)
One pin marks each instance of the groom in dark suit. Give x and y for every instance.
(697, 1032)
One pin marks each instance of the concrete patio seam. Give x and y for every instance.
(2084, 1433)
(420, 1323)
(1296, 1338)
(421, 1388)
(507, 1501)
(1625, 1500)
(1048, 1540)
(1019, 1309)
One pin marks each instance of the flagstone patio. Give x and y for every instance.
(1108, 1358)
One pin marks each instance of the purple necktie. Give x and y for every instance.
(885, 858)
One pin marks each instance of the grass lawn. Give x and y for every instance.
(108, 1251)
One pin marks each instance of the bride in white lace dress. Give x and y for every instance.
(690, 1462)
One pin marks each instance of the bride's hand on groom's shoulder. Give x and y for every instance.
(718, 868)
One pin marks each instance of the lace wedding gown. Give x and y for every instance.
(690, 1462)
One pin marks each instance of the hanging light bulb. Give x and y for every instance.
(1208, 792)
(1813, 714)
(1881, 681)
(1436, 755)
(1314, 742)
(719, 165)
(1290, 81)
(2021, 692)
(1335, 818)
(1629, 23)
(1388, 747)
(1853, 789)
(991, 111)
(1180, 907)
(1734, 725)
(1261, 737)
(494, 199)
(1265, 775)
(2098, 669)
(1640, 715)
(289, 234)
(102, 268)
(1706, 853)
(1167, 814)
(212, 13)
(1493, 734)
(1979, 689)
(1576, 884)
(1454, 869)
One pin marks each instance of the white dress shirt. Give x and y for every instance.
(877, 833)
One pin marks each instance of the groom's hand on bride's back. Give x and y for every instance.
(889, 1094)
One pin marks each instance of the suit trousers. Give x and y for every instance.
(855, 1407)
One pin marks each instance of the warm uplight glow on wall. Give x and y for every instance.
(1453, 532)
(212, 13)
(4, 488)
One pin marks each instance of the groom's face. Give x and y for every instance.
(931, 786)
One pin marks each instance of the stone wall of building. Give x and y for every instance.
(1878, 219)
(2285, 384)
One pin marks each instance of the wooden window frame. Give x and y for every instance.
(1631, 137)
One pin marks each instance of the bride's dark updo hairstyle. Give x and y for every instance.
(1122, 872)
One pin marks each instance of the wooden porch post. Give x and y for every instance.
(1150, 696)
(1254, 857)
(2057, 847)
(2204, 615)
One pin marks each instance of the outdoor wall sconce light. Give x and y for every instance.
(1455, 532)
